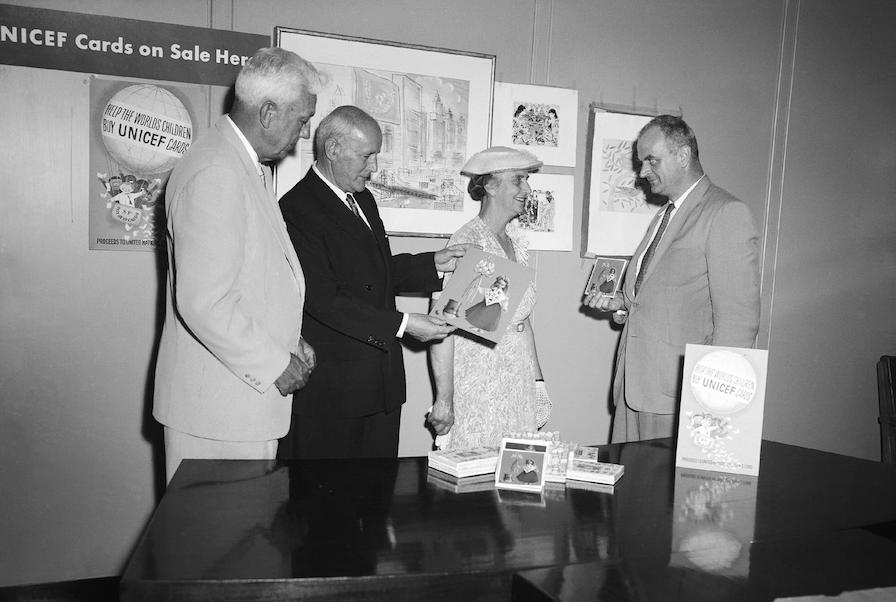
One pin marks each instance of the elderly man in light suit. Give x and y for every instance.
(231, 355)
(693, 279)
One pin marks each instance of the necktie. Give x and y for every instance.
(353, 205)
(648, 254)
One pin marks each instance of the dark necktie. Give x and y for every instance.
(648, 254)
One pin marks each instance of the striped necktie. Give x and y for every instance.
(648, 254)
(353, 205)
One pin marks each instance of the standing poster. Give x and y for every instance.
(722, 405)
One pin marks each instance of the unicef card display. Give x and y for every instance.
(722, 404)
(521, 464)
(483, 294)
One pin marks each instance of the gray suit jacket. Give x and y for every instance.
(702, 286)
(234, 298)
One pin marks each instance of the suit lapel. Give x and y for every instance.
(673, 229)
(341, 216)
(265, 200)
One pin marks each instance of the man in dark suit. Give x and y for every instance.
(693, 279)
(351, 408)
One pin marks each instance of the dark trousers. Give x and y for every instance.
(373, 436)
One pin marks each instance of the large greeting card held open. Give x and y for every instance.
(722, 404)
(483, 294)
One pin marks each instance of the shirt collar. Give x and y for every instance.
(336, 190)
(678, 202)
(252, 154)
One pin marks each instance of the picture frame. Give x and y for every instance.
(548, 218)
(521, 464)
(483, 293)
(606, 276)
(619, 211)
(433, 106)
(540, 119)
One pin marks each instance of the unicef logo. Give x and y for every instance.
(723, 382)
(146, 129)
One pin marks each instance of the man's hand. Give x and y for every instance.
(446, 259)
(616, 304)
(441, 416)
(427, 328)
(294, 377)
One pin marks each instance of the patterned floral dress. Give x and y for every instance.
(494, 387)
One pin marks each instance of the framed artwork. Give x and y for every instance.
(547, 220)
(618, 208)
(606, 274)
(483, 294)
(433, 106)
(540, 119)
(521, 464)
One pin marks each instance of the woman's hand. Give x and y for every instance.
(441, 416)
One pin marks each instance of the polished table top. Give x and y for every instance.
(380, 529)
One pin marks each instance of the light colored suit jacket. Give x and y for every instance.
(701, 286)
(235, 297)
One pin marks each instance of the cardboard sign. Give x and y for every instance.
(722, 404)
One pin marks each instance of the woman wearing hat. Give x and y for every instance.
(483, 391)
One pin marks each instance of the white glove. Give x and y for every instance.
(543, 404)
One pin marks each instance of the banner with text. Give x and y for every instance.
(140, 123)
(55, 39)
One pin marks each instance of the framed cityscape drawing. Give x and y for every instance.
(547, 220)
(540, 119)
(618, 209)
(434, 108)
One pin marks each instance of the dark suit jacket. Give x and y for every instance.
(350, 317)
(702, 287)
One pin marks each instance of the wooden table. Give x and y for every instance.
(378, 529)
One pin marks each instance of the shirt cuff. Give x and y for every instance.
(404, 324)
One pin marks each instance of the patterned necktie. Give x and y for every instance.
(648, 254)
(353, 205)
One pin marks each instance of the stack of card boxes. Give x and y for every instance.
(465, 462)
(471, 484)
(585, 466)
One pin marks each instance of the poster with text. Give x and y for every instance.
(139, 130)
(722, 405)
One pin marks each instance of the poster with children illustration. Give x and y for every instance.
(139, 130)
(483, 293)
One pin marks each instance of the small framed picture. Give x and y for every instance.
(606, 274)
(521, 465)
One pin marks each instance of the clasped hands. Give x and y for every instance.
(301, 364)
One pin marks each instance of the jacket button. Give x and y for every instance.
(368, 287)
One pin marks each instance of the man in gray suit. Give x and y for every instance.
(693, 279)
(231, 355)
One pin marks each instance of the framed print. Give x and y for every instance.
(521, 464)
(483, 294)
(547, 219)
(606, 274)
(618, 208)
(434, 108)
(540, 119)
